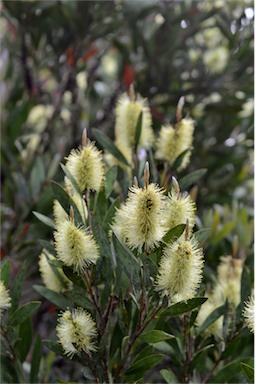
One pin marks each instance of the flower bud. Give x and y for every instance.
(76, 330)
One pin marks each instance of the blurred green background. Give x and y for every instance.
(63, 65)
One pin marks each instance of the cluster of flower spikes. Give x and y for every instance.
(75, 246)
(227, 287)
(141, 223)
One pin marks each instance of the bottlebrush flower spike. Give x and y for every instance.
(180, 270)
(76, 330)
(75, 246)
(249, 312)
(174, 141)
(180, 209)
(5, 299)
(54, 280)
(140, 219)
(128, 108)
(87, 167)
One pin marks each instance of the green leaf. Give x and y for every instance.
(5, 272)
(228, 371)
(56, 298)
(36, 358)
(73, 276)
(53, 346)
(202, 234)
(110, 213)
(71, 179)
(110, 178)
(179, 159)
(174, 233)
(23, 312)
(107, 144)
(48, 246)
(37, 177)
(16, 289)
(143, 365)
(155, 336)
(248, 371)
(227, 228)
(138, 129)
(198, 356)
(25, 339)
(182, 307)
(191, 178)
(44, 219)
(168, 376)
(218, 312)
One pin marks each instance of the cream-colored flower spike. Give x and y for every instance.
(174, 141)
(249, 312)
(128, 108)
(86, 166)
(181, 208)
(75, 246)
(54, 280)
(180, 270)
(76, 330)
(228, 286)
(5, 299)
(140, 219)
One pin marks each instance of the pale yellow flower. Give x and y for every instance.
(87, 167)
(180, 270)
(52, 277)
(127, 112)
(5, 299)
(75, 246)
(174, 141)
(249, 312)
(180, 209)
(140, 219)
(76, 330)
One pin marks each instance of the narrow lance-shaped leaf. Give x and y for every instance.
(182, 307)
(23, 312)
(155, 336)
(174, 233)
(44, 219)
(138, 130)
(107, 144)
(191, 178)
(218, 312)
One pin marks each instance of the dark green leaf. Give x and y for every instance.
(248, 371)
(228, 371)
(44, 219)
(5, 272)
(16, 290)
(174, 233)
(198, 356)
(56, 298)
(71, 179)
(155, 336)
(179, 159)
(25, 339)
(182, 307)
(218, 312)
(23, 312)
(37, 177)
(245, 284)
(107, 144)
(110, 178)
(53, 346)
(143, 365)
(36, 358)
(73, 276)
(138, 129)
(168, 376)
(191, 178)
(202, 234)
(227, 228)
(110, 213)
(48, 246)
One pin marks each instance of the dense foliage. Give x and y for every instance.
(64, 65)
